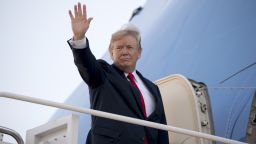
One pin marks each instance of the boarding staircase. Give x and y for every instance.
(190, 124)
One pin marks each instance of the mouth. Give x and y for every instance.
(125, 58)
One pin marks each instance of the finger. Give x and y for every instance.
(75, 10)
(79, 9)
(71, 15)
(84, 11)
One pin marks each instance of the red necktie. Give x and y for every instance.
(131, 78)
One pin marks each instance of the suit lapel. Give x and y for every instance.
(136, 97)
(152, 89)
(130, 95)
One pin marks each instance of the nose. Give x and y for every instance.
(125, 50)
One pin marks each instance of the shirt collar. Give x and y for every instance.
(134, 73)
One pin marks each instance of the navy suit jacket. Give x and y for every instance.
(110, 91)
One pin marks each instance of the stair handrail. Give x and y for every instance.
(14, 134)
(119, 118)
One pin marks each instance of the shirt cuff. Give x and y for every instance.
(78, 44)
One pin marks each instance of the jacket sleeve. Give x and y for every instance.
(89, 68)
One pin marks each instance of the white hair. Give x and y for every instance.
(130, 27)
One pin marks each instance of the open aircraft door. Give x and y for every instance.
(187, 106)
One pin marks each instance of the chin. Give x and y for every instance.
(126, 68)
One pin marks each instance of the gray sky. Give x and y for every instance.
(35, 59)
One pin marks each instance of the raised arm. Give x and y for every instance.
(89, 68)
(79, 21)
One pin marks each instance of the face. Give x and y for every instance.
(125, 53)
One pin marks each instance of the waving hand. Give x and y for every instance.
(79, 21)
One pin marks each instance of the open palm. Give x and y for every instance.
(79, 21)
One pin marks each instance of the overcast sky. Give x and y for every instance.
(35, 59)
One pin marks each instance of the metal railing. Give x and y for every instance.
(119, 118)
(12, 133)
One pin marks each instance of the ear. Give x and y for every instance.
(140, 51)
(111, 54)
(110, 50)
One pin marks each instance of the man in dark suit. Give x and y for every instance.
(118, 88)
